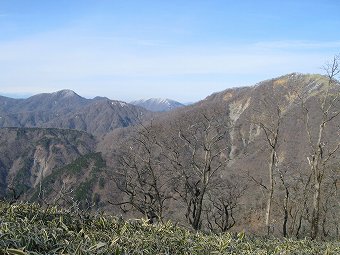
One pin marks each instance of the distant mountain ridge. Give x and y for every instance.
(158, 104)
(66, 109)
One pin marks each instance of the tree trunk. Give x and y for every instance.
(285, 218)
(316, 210)
(197, 217)
(317, 184)
(270, 189)
(284, 226)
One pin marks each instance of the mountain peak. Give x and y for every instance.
(65, 93)
(157, 104)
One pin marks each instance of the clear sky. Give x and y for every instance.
(178, 49)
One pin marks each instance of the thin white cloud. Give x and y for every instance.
(61, 60)
(309, 45)
(78, 61)
(151, 43)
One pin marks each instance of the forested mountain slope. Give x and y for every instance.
(244, 158)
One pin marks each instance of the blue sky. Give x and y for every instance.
(178, 49)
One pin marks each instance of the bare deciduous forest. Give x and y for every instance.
(185, 167)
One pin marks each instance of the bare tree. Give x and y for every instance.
(205, 143)
(269, 116)
(152, 168)
(142, 175)
(222, 204)
(286, 202)
(272, 135)
(322, 151)
(296, 200)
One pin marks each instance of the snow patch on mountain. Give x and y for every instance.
(65, 93)
(158, 104)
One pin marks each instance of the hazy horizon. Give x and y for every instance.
(25, 96)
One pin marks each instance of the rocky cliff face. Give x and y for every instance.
(28, 155)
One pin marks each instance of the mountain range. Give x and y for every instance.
(62, 142)
(65, 109)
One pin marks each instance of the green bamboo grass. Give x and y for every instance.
(29, 229)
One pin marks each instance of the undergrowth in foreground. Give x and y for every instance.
(30, 229)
